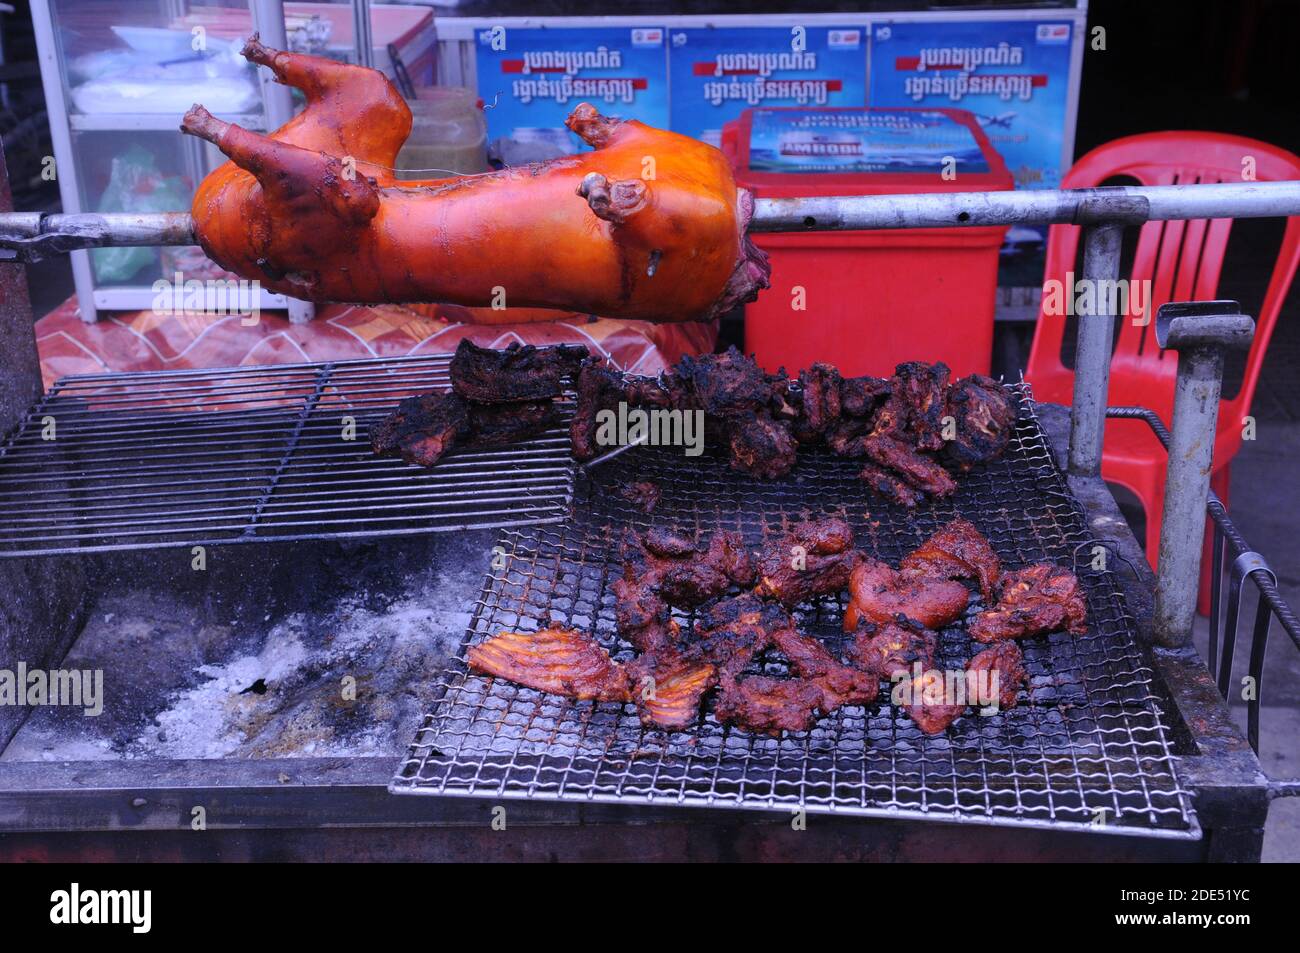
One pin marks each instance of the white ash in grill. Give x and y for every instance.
(185, 679)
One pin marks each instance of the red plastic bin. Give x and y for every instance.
(873, 299)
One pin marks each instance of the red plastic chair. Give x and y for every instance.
(1182, 260)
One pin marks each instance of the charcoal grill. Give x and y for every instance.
(1117, 735)
(1089, 748)
(253, 454)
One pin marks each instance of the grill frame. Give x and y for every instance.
(428, 769)
(255, 455)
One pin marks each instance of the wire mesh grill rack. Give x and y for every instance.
(251, 454)
(1085, 748)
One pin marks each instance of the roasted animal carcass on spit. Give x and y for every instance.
(650, 224)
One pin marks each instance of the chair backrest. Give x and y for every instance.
(1181, 260)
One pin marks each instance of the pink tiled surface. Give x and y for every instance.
(148, 341)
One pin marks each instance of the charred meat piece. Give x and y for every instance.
(958, 551)
(681, 571)
(918, 397)
(556, 660)
(985, 417)
(667, 687)
(520, 372)
(643, 494)
(760, 445)
(731, 631)
(422, 429)
(894, 649)
(889, 486)
(819, 405)
(722, 384)
(599, 388)
(840, 684)
(643, 617)
(768, 705)
(860, 396)
(1038, 599)
(929, 703)
(880, 594)
(1007, 662)
(493, 425)
(848, 437)
(919, 471)
(812, 558)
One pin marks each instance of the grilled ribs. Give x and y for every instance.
(1036, 600)
(557, 660)
(667, 687)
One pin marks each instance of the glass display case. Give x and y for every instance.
(120, 74)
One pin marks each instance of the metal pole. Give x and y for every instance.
(1201, 332)
(1101, 247)
(1128, 204)
(1047, 207)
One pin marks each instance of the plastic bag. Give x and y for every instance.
(135, 185)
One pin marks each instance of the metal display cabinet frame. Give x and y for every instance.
(310, 803)
(199, 157)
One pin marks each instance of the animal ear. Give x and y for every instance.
(615, 202)
(292, 179)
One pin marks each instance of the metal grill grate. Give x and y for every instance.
(1086, 750)
(252, 454)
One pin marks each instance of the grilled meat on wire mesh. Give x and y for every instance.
(894, 648)
(812, 558)
(1006, 661)
(563, 661)
(519, 372)
(497, 398)
(958, 551)
(683, 572)
(1034, 601)
(423, 429)
(879, 593)
(668, 686)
